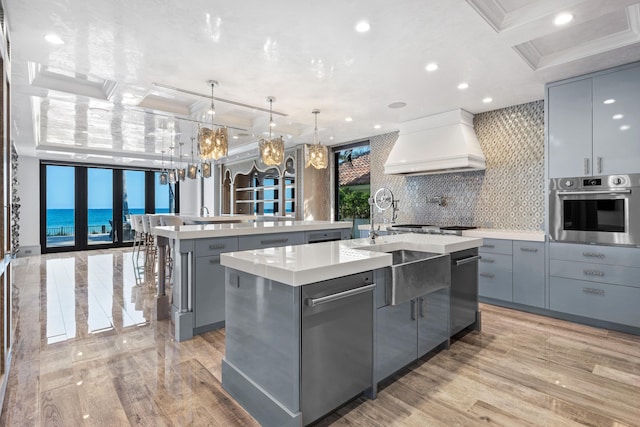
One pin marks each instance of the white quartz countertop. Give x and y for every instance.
(211, 218)
(492, 233)
(303, 264)
(203, 231)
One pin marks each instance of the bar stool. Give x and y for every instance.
(176, 221)
(150, 248)
(138, 240)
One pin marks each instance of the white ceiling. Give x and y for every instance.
(93, 98)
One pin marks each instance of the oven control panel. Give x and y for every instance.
(595, 183)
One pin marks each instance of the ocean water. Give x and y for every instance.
(96, 217)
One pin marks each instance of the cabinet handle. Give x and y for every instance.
(218, 246)
(593, 254)
(413, 309)
(586, 165)
(489, 260)
(488, 246)
(272, 241)
(421, 308)
(529, 249)
(593, 273)
(214, 260)
(489, 275)
(599, 164)
(593, 291)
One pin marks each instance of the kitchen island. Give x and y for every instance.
(306, 327)
(198, 293)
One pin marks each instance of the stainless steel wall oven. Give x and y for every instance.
(602, 210)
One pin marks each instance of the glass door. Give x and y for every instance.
(59, 211)
(133, 200)
(100, 225)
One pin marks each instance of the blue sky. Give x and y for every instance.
(61, 194)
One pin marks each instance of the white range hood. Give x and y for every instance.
(442, 143)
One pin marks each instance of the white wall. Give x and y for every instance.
(29, 193)
(189, 196)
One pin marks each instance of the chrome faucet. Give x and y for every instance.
(373, 233)
(203, 209)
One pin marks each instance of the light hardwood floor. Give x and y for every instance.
(88, 352)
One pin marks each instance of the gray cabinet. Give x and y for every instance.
(272, 240)
(209, 296)
(528, 273)
(591, 124)
(410, 330)
(596, 282)
(616, 112)
(570, 135)
(512, 271)
(495, 270)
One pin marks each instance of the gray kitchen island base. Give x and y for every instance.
(295, 353)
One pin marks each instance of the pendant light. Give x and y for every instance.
(212, 143)
(192, 168)
(316, 155)
(163, 174)
(172, 171)
(182, 173)
(272, 149)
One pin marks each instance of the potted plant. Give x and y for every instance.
(354, 205)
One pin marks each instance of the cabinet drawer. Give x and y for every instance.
(273, 240)
(596, 254)
(208, 247)
(495, 277)
(614, 274)
(496, 246)
(612, 303)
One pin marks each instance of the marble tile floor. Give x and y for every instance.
(88, 352)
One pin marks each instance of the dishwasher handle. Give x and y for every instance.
(313, 302)
(466, 260)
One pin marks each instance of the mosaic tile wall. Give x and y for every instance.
(509, 194)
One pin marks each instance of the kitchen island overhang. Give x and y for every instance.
(283, 327)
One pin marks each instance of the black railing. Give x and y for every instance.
(71, 230)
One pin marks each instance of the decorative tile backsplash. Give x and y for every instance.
(509, 194)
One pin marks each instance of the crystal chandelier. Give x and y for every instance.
(272, 149)
(316, 155)
(212, 143)
(163, 174)
(182, 173)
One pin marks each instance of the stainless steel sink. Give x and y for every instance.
(415, 273)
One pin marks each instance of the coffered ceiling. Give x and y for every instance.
(130, 78)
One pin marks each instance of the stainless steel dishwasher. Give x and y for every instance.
(464, 291)
(337, 343)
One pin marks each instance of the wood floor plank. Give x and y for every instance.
(59, 407)
(616, 375)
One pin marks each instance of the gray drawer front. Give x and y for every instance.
(209, 247)
(629, 257)
(495, 277)
(612, 303)
(496, 246)
(528, 273)
(272, 240)
(614, 274)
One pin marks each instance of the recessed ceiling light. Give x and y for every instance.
(625, 127)
(431, 66)
(348, 119)
(618, 116)
(463, 86)
(53, 39)
(562, 18)
(363, 27)
(609, 101)
(398, 104)
(377, 126)
(235, 137)
(331, 138)
(487, 100)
